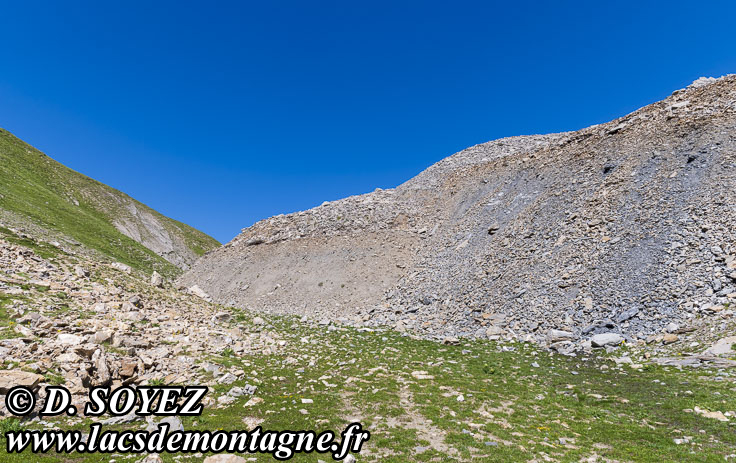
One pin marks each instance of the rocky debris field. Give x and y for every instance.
(68, 320)
(87, 324)
(623, 230)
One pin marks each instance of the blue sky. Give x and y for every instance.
(221, 113)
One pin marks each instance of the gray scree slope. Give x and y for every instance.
(626, 227)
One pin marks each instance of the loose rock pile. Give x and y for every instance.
(620, 232)
(84, 323)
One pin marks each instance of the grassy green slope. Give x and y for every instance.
(54, 197)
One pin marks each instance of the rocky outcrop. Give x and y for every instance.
(622, 228)
(142, 225)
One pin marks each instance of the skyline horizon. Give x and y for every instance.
(369, 190)
(219, 117)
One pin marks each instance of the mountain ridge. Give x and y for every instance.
(516, 237)
(44, 197)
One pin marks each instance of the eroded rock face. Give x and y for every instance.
(144, 227)
(622, 227)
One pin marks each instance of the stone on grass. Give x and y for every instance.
(225, 458)
(606, 339)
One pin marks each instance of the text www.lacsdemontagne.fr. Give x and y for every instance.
(282, 445)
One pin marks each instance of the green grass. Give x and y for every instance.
(54, 197)
(9, 424)
(566, 409)
(115, 350)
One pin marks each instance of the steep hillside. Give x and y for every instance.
(625, 228)
(44, 197)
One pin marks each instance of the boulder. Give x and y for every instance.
(127, 368)
(222, 317)
(225, 458)
(669, 338)
(12, 378)
(121, 267)
(227, 378)
(672, 327)
(102, 371)
(451, 341)
(102, 336)
(152, 458)
(559, 335)
(494, 331)
(174, 423)
(80, 271)
(68, 358)
(69, 339)
(157, 280)
(606, 339)
(200, 293)
(723, 346)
